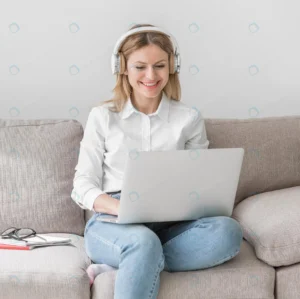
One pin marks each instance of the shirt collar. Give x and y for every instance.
(162, 110)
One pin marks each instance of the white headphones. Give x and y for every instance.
(115, 58)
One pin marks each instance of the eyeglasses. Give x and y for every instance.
(18, 233)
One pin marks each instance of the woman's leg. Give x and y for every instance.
(201, 243)
(132, 248)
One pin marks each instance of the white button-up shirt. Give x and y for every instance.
(109, 137)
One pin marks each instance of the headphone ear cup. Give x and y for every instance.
(175, 63)
(115, 64)
(118, 64)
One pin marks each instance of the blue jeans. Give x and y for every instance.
(141, 251)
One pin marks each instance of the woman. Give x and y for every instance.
(147, 77)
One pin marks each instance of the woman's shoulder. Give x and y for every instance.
(183, 109)
(103, 107)
(181, 106)
(178, 104)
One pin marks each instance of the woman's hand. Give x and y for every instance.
(117, 207)
(107, 204)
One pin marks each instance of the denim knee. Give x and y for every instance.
(145, 236)
(147, 248)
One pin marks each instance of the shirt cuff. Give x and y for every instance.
(90, 198)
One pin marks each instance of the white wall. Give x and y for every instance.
(240, 59)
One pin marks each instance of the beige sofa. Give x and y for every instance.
(37, 161)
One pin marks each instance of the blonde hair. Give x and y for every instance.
(123, 89)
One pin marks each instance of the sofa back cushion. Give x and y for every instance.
(272, 151)
(37, 167)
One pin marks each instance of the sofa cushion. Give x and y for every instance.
(271, 144)
(271, 224)
(37, 167)
(287, 282)
(46, 272)
(244, 276)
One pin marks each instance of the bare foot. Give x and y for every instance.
(95, 269)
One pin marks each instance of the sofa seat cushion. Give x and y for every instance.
(244, 276)
(287, 282)
(53, 272)
(271, 224)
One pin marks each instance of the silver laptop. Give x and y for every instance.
(178, 185)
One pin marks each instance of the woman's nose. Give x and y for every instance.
(150, 72)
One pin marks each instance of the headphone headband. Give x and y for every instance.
(115, 59)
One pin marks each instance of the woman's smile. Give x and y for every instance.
(150, 87)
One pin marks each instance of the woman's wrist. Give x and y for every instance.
(117, 207)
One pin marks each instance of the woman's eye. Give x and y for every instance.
(141, 67)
